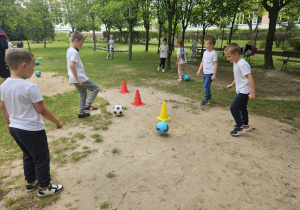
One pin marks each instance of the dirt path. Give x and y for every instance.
(198, 165)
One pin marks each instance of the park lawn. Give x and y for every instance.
(138, 72)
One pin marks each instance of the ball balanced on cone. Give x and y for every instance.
(162, 127)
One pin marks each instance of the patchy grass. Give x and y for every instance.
(110, 175)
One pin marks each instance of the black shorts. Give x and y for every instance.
(4, 70)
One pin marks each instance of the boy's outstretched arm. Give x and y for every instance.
(4, 114)
(231, 85)
(200, 67)
(252, 87)
(73, 69)
(45, 112)
(213, 77)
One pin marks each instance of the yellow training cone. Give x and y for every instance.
(163, 114)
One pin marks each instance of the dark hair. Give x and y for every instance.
(211, 40)
(165, 39)
(15, 57)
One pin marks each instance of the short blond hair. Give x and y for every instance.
(233, 48)
(15, 57)
(77, 35)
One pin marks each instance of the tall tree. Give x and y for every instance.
(170, 6)
(161, 18)
(205, 13)
(147, 11)
(9, 13)
(130, 10)
(107, 12)
(185, 14)
(273, 8)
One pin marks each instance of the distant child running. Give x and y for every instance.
(194, 49)
(164, 50)
(181, 58)
(244, 84)
(78, 77)
(22, 108)
(210, 66)
(111, 47)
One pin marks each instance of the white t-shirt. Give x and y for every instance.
(165, 49)
(180, 52)
(10, 45)
(19, 95)
(240, 70)
(73, 55)
(111, 43)
(208, 61)
(195, 44)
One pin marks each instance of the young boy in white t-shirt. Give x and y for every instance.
(210, 66)
(111, 43)
(78, 77)
(22, 108)
(164, 49)
(244, 85)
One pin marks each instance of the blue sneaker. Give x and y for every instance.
(89, 108)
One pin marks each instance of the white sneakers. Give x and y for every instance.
(51, 190)
(163, 70)
(158, 68)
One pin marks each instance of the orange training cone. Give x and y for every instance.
(137, 100)
(163, 114)
(124, 88)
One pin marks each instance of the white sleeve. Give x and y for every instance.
(215, 56)
(34, 94)
(74, 56)
(245, 69)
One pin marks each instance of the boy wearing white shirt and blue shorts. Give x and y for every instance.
(244, 84)
(22, 108)
(78, 77)
(210, 66)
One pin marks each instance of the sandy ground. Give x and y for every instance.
(197, 165)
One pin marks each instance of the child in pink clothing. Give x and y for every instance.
(181, 58)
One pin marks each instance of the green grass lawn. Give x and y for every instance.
(111, 73)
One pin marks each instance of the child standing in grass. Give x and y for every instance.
(210, 66)
(78, 77)
(194, 49)
(22, 108)
(111, 47)
(181, 58)
(164, 49)
(244, 84)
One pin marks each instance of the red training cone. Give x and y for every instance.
(137, 100)
(124, 88)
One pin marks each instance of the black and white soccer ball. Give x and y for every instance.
(118, 110)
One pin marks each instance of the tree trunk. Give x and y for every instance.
(231, 29)
(120, 35)
(130, 42)
(94, 35)
(249, 22)
(147, 37)
(203, 38)
(183, 34)
(159, 37)
(269, 42)
(170, 18)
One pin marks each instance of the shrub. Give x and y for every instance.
(295, 43)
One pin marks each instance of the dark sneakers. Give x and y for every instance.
(237, 131)
(246, 127)
(89, 108)
(51, 190)
(203, 103)
(31, 187)
(84, 115)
